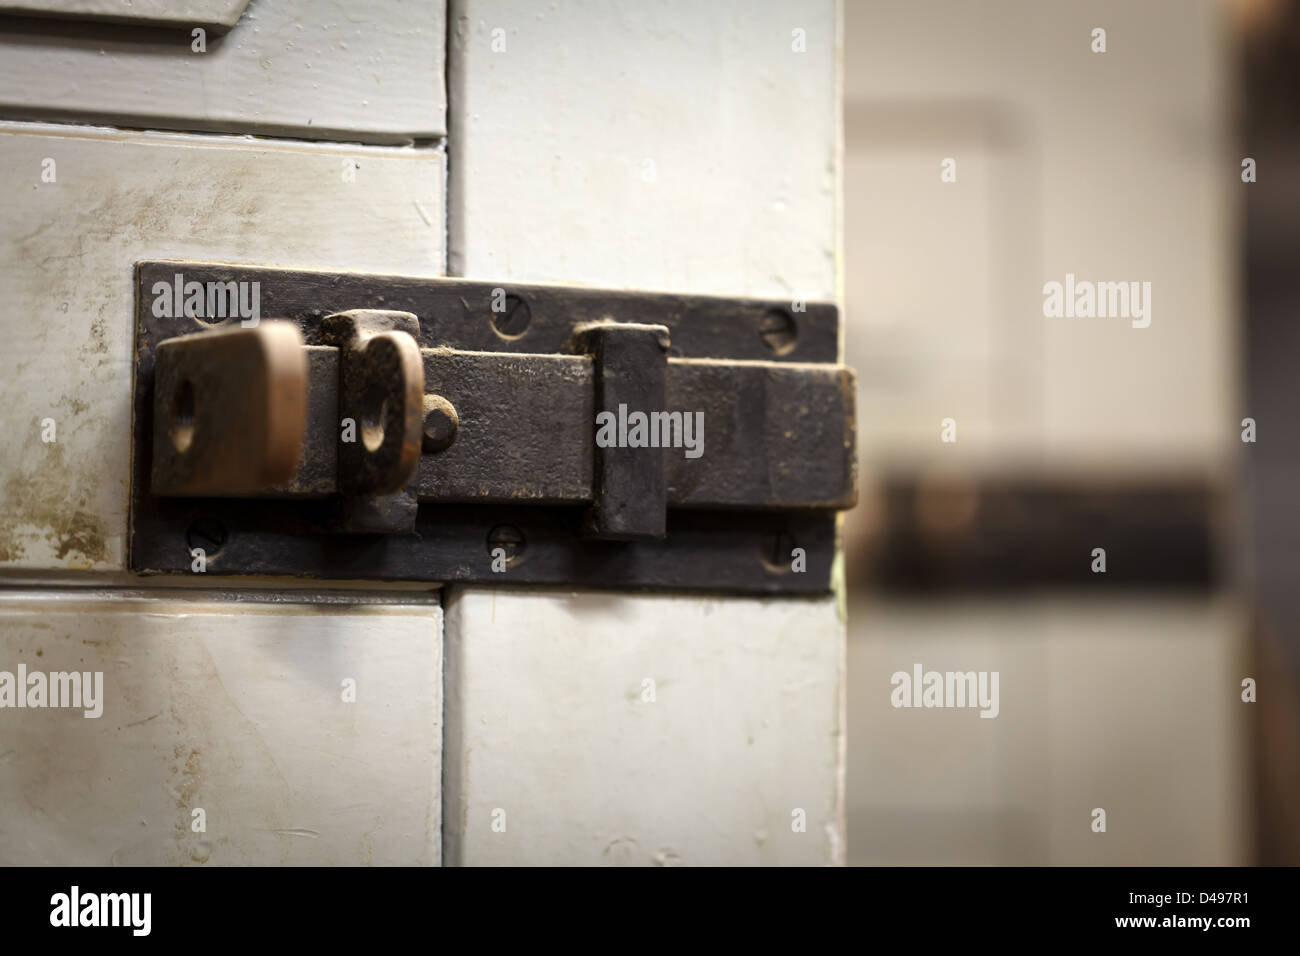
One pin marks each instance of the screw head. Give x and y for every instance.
(778, 331)
(441, 422)
(777, 550)
(507, 537)
(207, 533)
(512, 323)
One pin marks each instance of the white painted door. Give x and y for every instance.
(686, 147)
(682, 146)
(241, 720)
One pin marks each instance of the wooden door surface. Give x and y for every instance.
(689, 147)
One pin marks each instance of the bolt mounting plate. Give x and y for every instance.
(754, 514)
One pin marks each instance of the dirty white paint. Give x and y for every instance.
(67, 253)
(620, 730)
(215, 13)
(318, 69)
(231, 702)
(234, 709)
(680, 146)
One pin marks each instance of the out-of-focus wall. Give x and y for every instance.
(1115, 167)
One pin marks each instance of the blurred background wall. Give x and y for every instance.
(1119, 690)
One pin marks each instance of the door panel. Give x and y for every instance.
(218, 15)
(66, 283)
(702, 157)
(232, 702)
(545, 713)
(1089, 716)
(318, 69)
(654, 730)
(1110, 168)
(229, 706)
